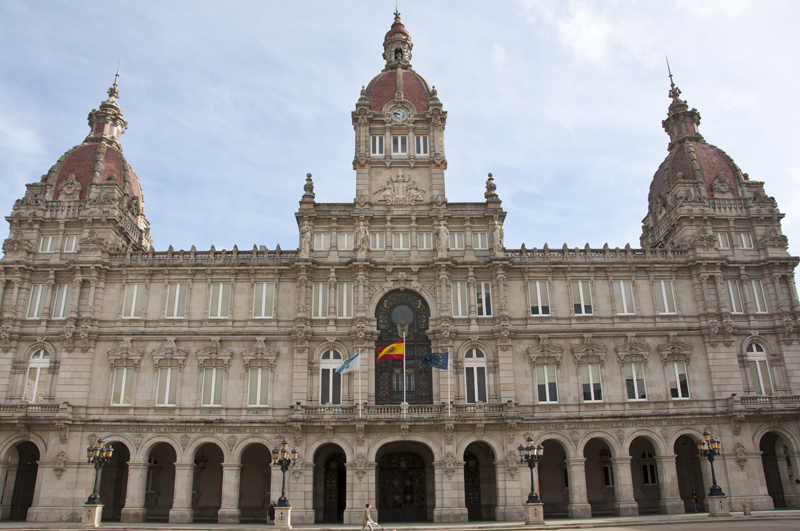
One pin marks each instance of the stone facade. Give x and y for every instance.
(195, 364)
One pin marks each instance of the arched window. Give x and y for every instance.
(649, 468)
(398, 54)
(475, 375)
(36, 383)
(758, 368)
(330, 382)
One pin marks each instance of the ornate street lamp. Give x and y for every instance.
(710, 448)
(284, 462)
(98, 455)
(531, 454)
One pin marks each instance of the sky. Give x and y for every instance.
(230, 104)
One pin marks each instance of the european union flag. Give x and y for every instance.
(437, 360)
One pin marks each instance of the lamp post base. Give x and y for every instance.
(534, 513)
(92, 515)
(718, 506)
(283, 517)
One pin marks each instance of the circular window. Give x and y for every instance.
(402, 314)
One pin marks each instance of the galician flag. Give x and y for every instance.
(392, 352)
(350, 364)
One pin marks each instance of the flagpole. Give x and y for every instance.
(359, 383)
(448, 382)
(404, 374)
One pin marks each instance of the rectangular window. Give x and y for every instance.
(456, 240)
(263, 299)
(36, 301)
(401, 241)
(259, 387)
(484, 298)
(476, 384)
(345, 241)
(540, 297)
(745, 240)
(60, 309)
(48, 244)
(422, 145)
(176, 301)
(634, 381)
(167, 386)
(760, 377)
(134, 301)
(649, 474)
(122, 390)
(71, 244)
(425, 240)
(756, 291)
(665, 299)
(592, 387)
(322, 241)
(36, 384)
(722, 240)
(319, 308)
(480, 240)
(623, 297)
(459, 294)
(377, 241)
(678, 381)
(546, 383)
(344, 299)
(220, 300)
(608, 476)
(377, 145)
(330, 387)
(212, 386)
(582, 297)
(735, 296)
(399, 145)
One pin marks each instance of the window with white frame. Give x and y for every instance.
(756, 291)
(213, 378)
(424, 240)
(38, 373)
(634, 381)
(745, 240)
(590, 380)
(456, 240)
(475, 376)
(546, 384)
(760, 377)
(377, 145)
(322, 241)
(60, 305)
(176, 300)
(665, 298)
(678, 379)
(134, 301)
(399, 145)
(422, 145)
(263, 299)
(539, 297)
(735, 296)
(649, 475)
(330, 381)
(723, 242)
(458, 291)
(36, 301)
(344, 299)
(345, 242)
(48, 244)
(122, 388)
(483, 292)
(623, 297)
(401, 241)
(377, 241)
(319, 300)
(220, 300)
(258, 390)
(582, 297)
(167, 390)
(70, 244)
(480, 240)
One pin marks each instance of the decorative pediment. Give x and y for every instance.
(125, 355)
(721, 185)
(674, 350)
(545, 352)
(170, 355)
(400, 190)
(774, 239)
(70, 189)
(633, 350)
(589, 351)
(214, 354)
(259, 355)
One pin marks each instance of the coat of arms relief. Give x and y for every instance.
(400, 190)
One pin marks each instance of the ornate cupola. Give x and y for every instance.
(106, 124)
(397, 45)
(681, 123)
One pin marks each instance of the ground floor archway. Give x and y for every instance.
(330, 484)
(114, 482)
(644, 475)
(777, 464)
(207, 483)
(600, 478)
(20, 481)
(255, 483)
(480, 487)
(553, 488)
(690, 472)
(160, 482)
(405, 482)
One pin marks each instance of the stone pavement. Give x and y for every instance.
(758, 521)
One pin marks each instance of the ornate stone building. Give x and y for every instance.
(194, 364)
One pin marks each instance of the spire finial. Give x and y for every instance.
(674, 92)
(113, 91)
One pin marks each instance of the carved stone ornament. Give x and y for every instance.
(544, 352)
(125, 355)
(329, 432)
(92, 438)
(674, 350)
(590, 349)
(400, 190)
(137, 440)
(575, 436)
(213, 354)
(259, 355)
(774, 239)
(169, 354)
(184, 440)
(360, 435)
(231, 440)
(63, 432)
(70, 190)
(721, 185)
(61, 464)
(620, 433)
(491, 188)
(448, 433)
(512, 463)
(449, 465)
(633, 349)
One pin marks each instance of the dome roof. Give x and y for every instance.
(384, 87)
(85, 159)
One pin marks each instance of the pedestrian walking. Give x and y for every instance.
(271, 512)
(367, 520)
(693, 499)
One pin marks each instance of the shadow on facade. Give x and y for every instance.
(330, 484)
(255, 483)
(114, 482)
(160, 482)
(20, 481)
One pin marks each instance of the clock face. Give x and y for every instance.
(398, 115)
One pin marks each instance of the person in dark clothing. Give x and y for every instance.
(271, 512)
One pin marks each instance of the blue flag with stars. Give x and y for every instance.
(437, 360)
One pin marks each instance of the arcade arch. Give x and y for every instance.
(405, 482)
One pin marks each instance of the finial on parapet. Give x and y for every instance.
(491, 189)
(308, 188)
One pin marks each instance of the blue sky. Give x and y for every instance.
(230, 104)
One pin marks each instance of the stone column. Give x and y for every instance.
(624, 503)
(229, 512)
(354, 500)
(578, 506)
(181, 512)
(134, 510)
(671, 502)
(449, 496)
(9, 472)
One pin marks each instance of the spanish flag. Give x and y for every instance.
(391, 352)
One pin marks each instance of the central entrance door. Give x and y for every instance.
(401, 484)
(409, 307)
